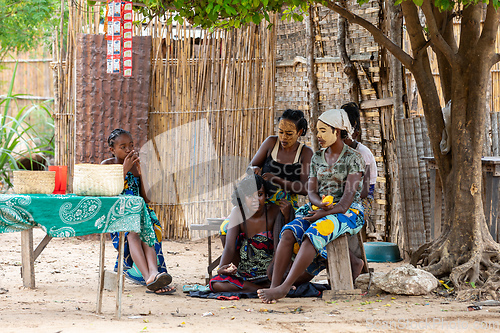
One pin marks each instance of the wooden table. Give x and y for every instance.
(491, 173)
(68, 216)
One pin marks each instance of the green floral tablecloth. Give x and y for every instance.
(71, 215)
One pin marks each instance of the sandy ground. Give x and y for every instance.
(66, 288)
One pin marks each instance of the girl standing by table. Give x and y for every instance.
(143, 264)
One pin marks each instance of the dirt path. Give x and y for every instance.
(65, 298)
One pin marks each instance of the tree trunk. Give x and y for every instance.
(465, 250)
(395, 229)
(312, 80)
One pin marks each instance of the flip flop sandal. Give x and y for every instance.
(169, 291)
(161, 280)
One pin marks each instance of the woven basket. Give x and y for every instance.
(98, 179)
(34, 182)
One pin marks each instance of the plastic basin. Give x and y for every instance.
(382, 252)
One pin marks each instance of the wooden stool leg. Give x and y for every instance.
(27, 259)
(339, 265)
(100, 287)
(209, 239)
(363, 254)
(119, 281)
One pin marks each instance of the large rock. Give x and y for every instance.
(363, 281)
(407, 280)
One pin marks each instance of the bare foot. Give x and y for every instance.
(270, 295)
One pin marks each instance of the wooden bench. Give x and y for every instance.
(212, 226)
(339, 265)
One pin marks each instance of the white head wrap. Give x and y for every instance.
(337, 118)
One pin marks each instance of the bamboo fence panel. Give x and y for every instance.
(402, 230)
(211, 108)
(33, 80)
(423, 174)
(417, 228)
(495, 133)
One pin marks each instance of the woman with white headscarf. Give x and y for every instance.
(337, 171)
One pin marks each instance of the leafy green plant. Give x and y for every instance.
(19, 138)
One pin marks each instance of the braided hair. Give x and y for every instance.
(248, 186)
(116, 133)
(297, 117)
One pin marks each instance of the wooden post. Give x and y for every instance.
(339, 265)
(436, 199)
(100, 287)
(363, 253)
(209, 255)
(119, 279)
(27, 258)
(491, 204)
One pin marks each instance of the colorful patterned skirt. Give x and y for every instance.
(323, 231)
(130, 269)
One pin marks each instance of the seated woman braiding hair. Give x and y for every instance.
(336, 171)
(284, 161)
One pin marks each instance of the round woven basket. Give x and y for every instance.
(34, 182)
(98, 179)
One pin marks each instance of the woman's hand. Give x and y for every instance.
(229, 269)
(255, 169)
(315, 215)
(285, 208)
(269, 177)
(129, 161)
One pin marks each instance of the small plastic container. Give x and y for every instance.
(61, 178)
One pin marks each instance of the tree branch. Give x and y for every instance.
(377, 34)
(444, 21)
(418, 41)
(470, 28)
(435, 33)
(489, 33)
(496, 58)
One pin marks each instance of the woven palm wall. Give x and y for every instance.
(292, 85)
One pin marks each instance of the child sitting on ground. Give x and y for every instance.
(149, 261)
(251, 240)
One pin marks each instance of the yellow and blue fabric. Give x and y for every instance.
(292, 198)
(132, 186)
(323, 231)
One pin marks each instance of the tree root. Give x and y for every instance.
(474, 272)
